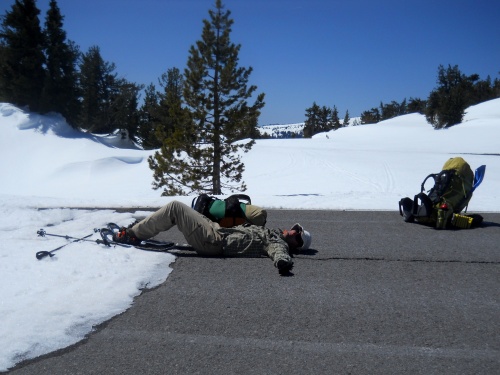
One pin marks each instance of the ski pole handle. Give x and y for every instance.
(43, 254)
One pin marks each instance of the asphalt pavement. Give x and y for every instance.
(374, 295)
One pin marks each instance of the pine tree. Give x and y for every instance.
(496, 87)
(403, 108)
(325, 115)
(148, 118)
(175, 130)
(370, 117)
(482, 91)
(170, 103)
(3, 61)
(202, 154)
(335, 118)
(446, 104)
(388, 111)
(159, 112)
(416, 105)
(347, 119)
(98, 85)
(60, 92)
(312, 123)
(21, 70)
(122, 113)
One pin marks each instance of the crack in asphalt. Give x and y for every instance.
(400, 260)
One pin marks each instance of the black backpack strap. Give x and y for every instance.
(405, 209)
(202, 204)
(233, 208)
(241, 197)
(442, 181)
(424, 208)
(433, 175)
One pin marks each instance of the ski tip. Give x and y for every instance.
(113, 227)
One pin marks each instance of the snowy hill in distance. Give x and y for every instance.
(282, 131)
(295, 130)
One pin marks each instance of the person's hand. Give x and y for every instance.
(284, 267)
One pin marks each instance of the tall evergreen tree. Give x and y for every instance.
(388, 111)
(160, 111)
(347, 119)
(447, 103)
(3, 60)
(482, 91)
(321, 119)
(60, 92)
(215, 92)
(148, 118)
(496, 87)
(312, 124)
(370, 117)
(97, 83)
(335, 118)
(170, 105)
(416, 105)
(122, 113)
(91, 78)
(22, 64)
(326, 122)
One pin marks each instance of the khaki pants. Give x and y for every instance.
(256, 215)
(199, 232)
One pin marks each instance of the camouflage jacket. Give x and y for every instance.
(254, 241)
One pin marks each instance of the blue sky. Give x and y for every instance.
(352, 53)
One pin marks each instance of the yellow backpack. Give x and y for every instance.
(448, 197)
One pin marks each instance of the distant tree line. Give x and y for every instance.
(43, 71)
(444, 107)
(198, 120)
(455, 92)
(322, 119)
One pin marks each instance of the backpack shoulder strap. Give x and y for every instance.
(233, 207)
(433, 175)
(424, 208)
(202, 204)
(241, 197)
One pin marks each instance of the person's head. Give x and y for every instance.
(297, 238)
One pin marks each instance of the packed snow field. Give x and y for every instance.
(47, 167)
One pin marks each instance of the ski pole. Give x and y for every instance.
(42, 233)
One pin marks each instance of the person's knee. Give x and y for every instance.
(176, 206)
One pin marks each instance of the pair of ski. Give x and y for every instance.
(107, 240)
